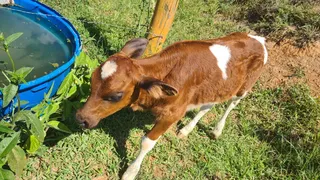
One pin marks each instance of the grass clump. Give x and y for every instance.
(278, 19)
(289, 121)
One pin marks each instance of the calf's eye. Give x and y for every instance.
(113, 97)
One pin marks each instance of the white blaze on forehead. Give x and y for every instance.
(262, 40)
(108, 69)
(223, 55)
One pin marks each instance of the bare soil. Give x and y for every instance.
(288, 65)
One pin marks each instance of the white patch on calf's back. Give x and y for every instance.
(223, 55)
(262, 40)
(108, 69)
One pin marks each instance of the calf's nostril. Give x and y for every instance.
(82, 124)
(86, 124)
(82, 120)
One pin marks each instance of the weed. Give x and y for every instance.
(298, 72)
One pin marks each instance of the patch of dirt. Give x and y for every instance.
(288, 65)
(158, 171)
(105, 177)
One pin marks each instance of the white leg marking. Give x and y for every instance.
(234, 98)
(262, 40)
(223, 55)
(108, 69)
(146, 146)
(191, 107)
(219, 127)
(189, 127)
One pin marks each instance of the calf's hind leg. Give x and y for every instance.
(189, 127)
(217, 131)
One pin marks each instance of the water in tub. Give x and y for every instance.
(42, 45)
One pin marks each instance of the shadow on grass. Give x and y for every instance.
(292, 132)
(298, 155)
(108, 34)
(119, 126)
(96, 32)
(181, 124)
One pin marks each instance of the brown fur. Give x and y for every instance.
(184, 73)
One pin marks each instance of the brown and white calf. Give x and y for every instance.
(182, 77)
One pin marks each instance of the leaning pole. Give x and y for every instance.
(160, 25)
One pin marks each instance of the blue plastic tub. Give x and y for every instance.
(34, 91)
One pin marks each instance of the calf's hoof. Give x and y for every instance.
(130, 173)
(214, 134)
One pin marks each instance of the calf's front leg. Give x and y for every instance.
(147, 144)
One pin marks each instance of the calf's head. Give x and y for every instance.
(116, 84)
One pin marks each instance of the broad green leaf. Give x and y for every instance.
(22, 102)
(49, 110)
(39, 109)
(6, 174)
(8, 72)
(12, 38)
(72, 90)
(8, 143)
(85, 60)
(32, 120)
(5, 129)
(3, 161)
(32, 144)
(66, 84)
(76, 79)
(47, 95)
(6, 124)
(9, 92)
(59, 126)
(19, 75)
(23, 72)
(1, 37)
(17, 160)
(81, 59)
(93, 64)
(54, 108)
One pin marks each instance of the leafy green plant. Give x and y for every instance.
(10, 152)
(25, 130)
(72, 91)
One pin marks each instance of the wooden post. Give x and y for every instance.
(160, 25)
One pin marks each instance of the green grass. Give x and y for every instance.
(272, 134)
(278, 19)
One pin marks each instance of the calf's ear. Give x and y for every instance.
(135, 47)
(156, 88)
